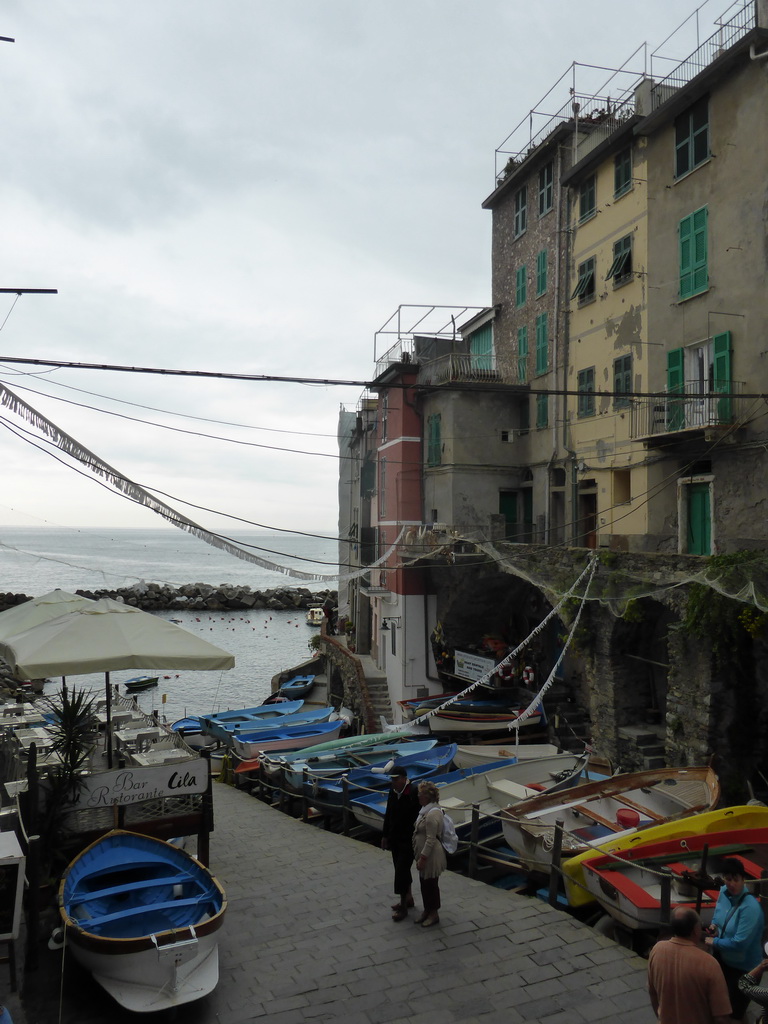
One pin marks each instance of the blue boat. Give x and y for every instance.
(193, 725)
(419, 766)
(331, 764)
(225, 731)
(299, 686)
(142, 916)
(248, 745)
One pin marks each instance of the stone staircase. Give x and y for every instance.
(376, 687)
(642, 747)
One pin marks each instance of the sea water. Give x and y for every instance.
(35, 561)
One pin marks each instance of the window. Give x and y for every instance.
(622, 381)
(522, 353)
(382, 487)
(622, 172)
(692, 137)
(694, 274)
(622, 486)
(434, 441)
(521, 211)
(585, 286)
(542, 411)
(525, 416)
(541, 272)
(384, 415)
(542, 343)
(521, 286)
(588, 198)
(701, 375)
(621, 267)
(586, 388)
(546, 178)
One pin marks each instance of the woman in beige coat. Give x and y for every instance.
(429, 852)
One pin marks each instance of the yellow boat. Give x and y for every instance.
(742, 816)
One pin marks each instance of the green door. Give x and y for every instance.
(699, 528)
(508, 508)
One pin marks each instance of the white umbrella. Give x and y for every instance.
(37, 610)
(103, 636)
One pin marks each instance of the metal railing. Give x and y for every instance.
(459, 367)
(727, 35)
(687, 409)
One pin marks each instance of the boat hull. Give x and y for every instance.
(740, 817)
(590, 813)
(142, 916)
(250, 745)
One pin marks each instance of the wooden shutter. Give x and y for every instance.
(721, 344)
(675, 385)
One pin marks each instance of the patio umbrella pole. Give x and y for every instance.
(109, 721)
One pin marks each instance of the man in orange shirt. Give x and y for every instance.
(685, 983)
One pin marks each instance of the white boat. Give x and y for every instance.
(315, 616)
(598, 811)
(488, 787)
(482, 753)
(142, 916)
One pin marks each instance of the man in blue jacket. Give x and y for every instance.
(736, 933)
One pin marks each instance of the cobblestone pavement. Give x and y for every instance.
(309, 939)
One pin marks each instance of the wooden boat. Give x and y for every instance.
(355, 748)
(225, 731)
(248, 745)
(334, 763)
(451, 721)
(420, 765)
(484, 753)
(628, 884)
(315, 616)
(490, 787)
(598, 810)
(743, 816)
(299, 686)
(139, 683)
(142, 917)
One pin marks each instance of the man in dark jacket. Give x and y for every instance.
(402, 810)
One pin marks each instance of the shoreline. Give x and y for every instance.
(193, 597)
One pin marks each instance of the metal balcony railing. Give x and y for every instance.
(687, 410)
(463, 367)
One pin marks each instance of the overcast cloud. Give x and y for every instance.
(252, 187)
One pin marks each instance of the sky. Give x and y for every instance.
(252, 186)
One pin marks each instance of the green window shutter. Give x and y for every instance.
(520, 286)
(542, 411)
(434, 442)
(700, 270)
(522, 353)
(542, 343)
(675, 386)
(721, 344)
(694, 273)
(541, 272)
(481, 348)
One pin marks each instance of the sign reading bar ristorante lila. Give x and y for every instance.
(133, 785)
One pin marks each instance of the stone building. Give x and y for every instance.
(608, 403)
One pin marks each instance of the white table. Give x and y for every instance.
(118, 715)
(162, 756)
(140, 734)
(37, 735)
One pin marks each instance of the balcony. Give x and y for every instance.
(461, 367)
(687, 412)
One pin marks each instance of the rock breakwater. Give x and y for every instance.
(195, 597)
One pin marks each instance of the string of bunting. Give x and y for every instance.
(590, 568)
